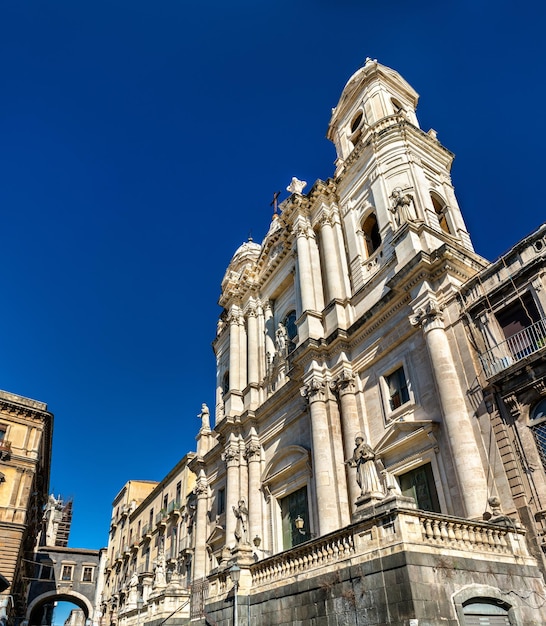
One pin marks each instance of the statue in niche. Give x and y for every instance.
(296, 185)
(367, 477)
(402, 207)
(204, 416)
(241, 528)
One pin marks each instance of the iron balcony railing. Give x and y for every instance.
(514, 349)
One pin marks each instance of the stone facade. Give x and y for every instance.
(25, 458)
(348, 477)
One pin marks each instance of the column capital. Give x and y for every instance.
(231, 455)
(253, 451)
(344, 383)
(513, 405)
(201, 485)
(428, 314)
(314, 390)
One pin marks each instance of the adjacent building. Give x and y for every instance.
(365, 465)
(25, 457)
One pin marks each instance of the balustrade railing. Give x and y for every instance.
(514, 349)
(408, 527)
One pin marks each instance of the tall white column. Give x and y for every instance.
(346, 389)
(234, 348)
(200, 556)
(253, 457)
(231, 458)
(252, 338)
(464, 450)
(269, 330)
(305, 271)
(242, 353)
(334, 279)
(323, 467)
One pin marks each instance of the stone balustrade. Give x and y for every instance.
(405, 529)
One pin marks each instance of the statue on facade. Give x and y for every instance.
(159, 570)
(367, 477)
(241, 528)
(204, 416)
(402, 207)
(281, 339)
(296, 185)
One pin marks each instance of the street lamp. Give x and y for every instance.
(235, 575)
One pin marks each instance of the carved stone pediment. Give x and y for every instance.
(405, 438)
(217, 536)
(287, 462)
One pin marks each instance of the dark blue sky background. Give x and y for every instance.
(140, 144)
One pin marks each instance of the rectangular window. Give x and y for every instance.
(67, 572)
(87, 574)
(398, 391)
(3, 431)
(221, 504)
(419, 484)
(178, 496)
(165, 502)
(46, 572)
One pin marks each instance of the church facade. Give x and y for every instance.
(351, 471)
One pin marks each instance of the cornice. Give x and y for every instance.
(14, 409)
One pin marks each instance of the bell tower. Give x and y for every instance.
(390, 173)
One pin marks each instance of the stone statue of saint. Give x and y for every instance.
(296, 186)
(281, 337)
(402, 207)
(367, 477)
(241, 528)
(159, 571)
(204, 416)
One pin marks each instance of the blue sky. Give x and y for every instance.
(140, 144)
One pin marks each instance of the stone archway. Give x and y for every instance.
(34, 613)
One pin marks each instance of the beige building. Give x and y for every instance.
(349, 475)
(25, 455)
(151, 541)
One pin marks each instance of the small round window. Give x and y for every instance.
(539, 411)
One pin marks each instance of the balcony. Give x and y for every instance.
(514, 349)
(161, 518)
(146, 532)
(5, 450)
(173, 508)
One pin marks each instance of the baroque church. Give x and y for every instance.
(377, 449)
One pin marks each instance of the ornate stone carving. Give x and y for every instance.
(344, 383)
(231, 455)
(296, 185)
(253, 451)
(314, 390)
(540, 387)
(513, 405)
(402, 207)
(425, 315)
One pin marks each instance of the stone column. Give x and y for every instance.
(234, 347)
(346, 389)
(323, 468)
(305, 271)
(242, 353)
(253, 457)
(200, 556)
(464, 451)
(333, 273)
(231, 458)
(252, 338)
(269, 331)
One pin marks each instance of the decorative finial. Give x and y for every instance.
(296, 186)
(274, 202)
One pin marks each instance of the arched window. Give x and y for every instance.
(356, 128)
(538, 426)
(289, 323)
(485, 612)
(440, 209)
(372, 238)
(225, 383)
